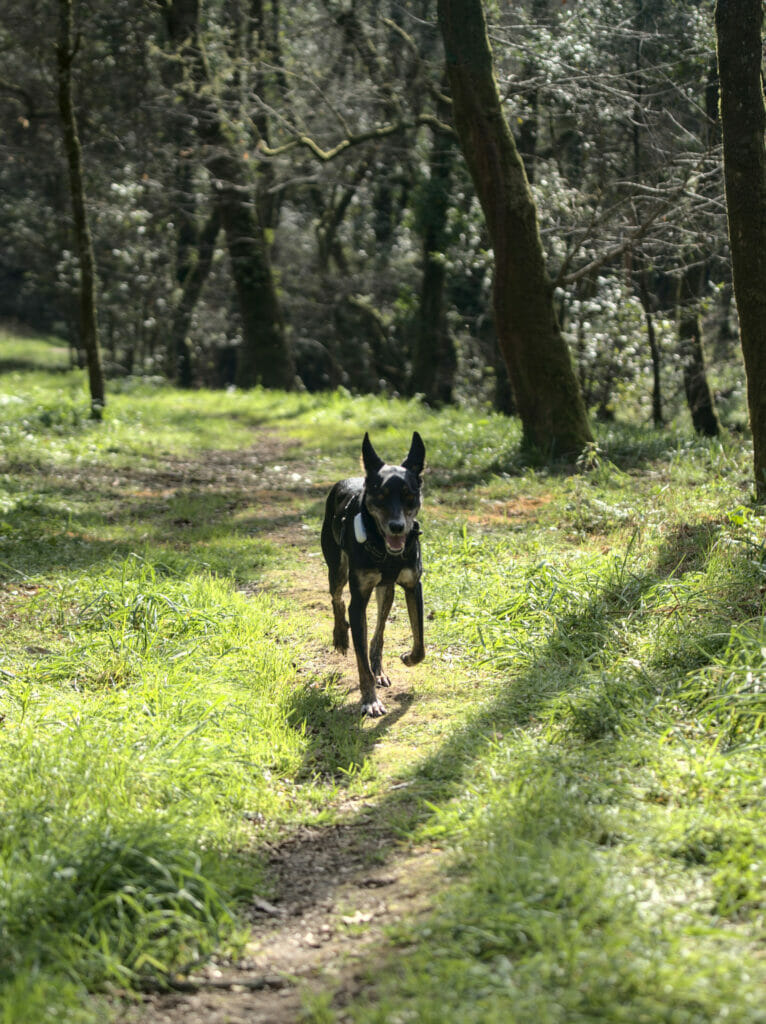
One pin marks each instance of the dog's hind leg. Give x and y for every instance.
(384, 594)
(414, 597)
(338, 579)
(337, 571)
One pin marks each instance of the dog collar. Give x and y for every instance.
(360, 530)
(381, 553)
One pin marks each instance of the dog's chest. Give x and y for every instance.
(390, 571)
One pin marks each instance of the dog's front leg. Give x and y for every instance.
(357, 615)
(384, 593)
(414, 597)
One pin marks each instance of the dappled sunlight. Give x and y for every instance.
(547, 779)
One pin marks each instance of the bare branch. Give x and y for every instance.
(382, 132)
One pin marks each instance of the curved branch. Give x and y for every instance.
(382, 132)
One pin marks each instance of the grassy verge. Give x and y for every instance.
(604, 802)
(606, 806)
(586, 739)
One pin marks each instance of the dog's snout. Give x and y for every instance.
(396, 526)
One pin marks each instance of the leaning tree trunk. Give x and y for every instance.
(544, 383)
(739, 26)
(88, 317)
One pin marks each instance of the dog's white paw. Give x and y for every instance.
(382, 679)
(374, 709)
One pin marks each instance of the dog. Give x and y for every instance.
(371, 540)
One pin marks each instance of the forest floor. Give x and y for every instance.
(561, 813)
(336, 888)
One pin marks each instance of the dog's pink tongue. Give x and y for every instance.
(395, 541)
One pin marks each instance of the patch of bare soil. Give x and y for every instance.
(337, 888)
(320, 933)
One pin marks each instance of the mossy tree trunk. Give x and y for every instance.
(265, 355)
(65, 53)
(739, 25)
(545, 387)
(434, 360)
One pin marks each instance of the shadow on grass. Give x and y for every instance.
(42, 539)
(225, 530)
(686, 547)
(626, 448)
(337, 745)
(18, 365)
(596, 707)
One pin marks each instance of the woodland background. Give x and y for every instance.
(308, 148)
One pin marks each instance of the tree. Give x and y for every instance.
(739, 26)
(65, 53)
(332, 122)
(434, 360)
(699, 397)
(539, 364)
(265, 355)
(194, 260)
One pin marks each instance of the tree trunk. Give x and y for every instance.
(544, 384)
(699, 397)
(743, 119)
(654, 350)
(434, 359)
(195, 271)
(265, 357)
(88, 316)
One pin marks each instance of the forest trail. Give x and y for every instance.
(335, 888)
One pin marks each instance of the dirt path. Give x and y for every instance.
(326, 922)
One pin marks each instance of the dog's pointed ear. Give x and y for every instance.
(371, 461)
(416, 459)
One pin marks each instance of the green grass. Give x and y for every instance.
(136, 743)
(585, 741)
(606, 803)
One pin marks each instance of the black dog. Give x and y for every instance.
(370, 540)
